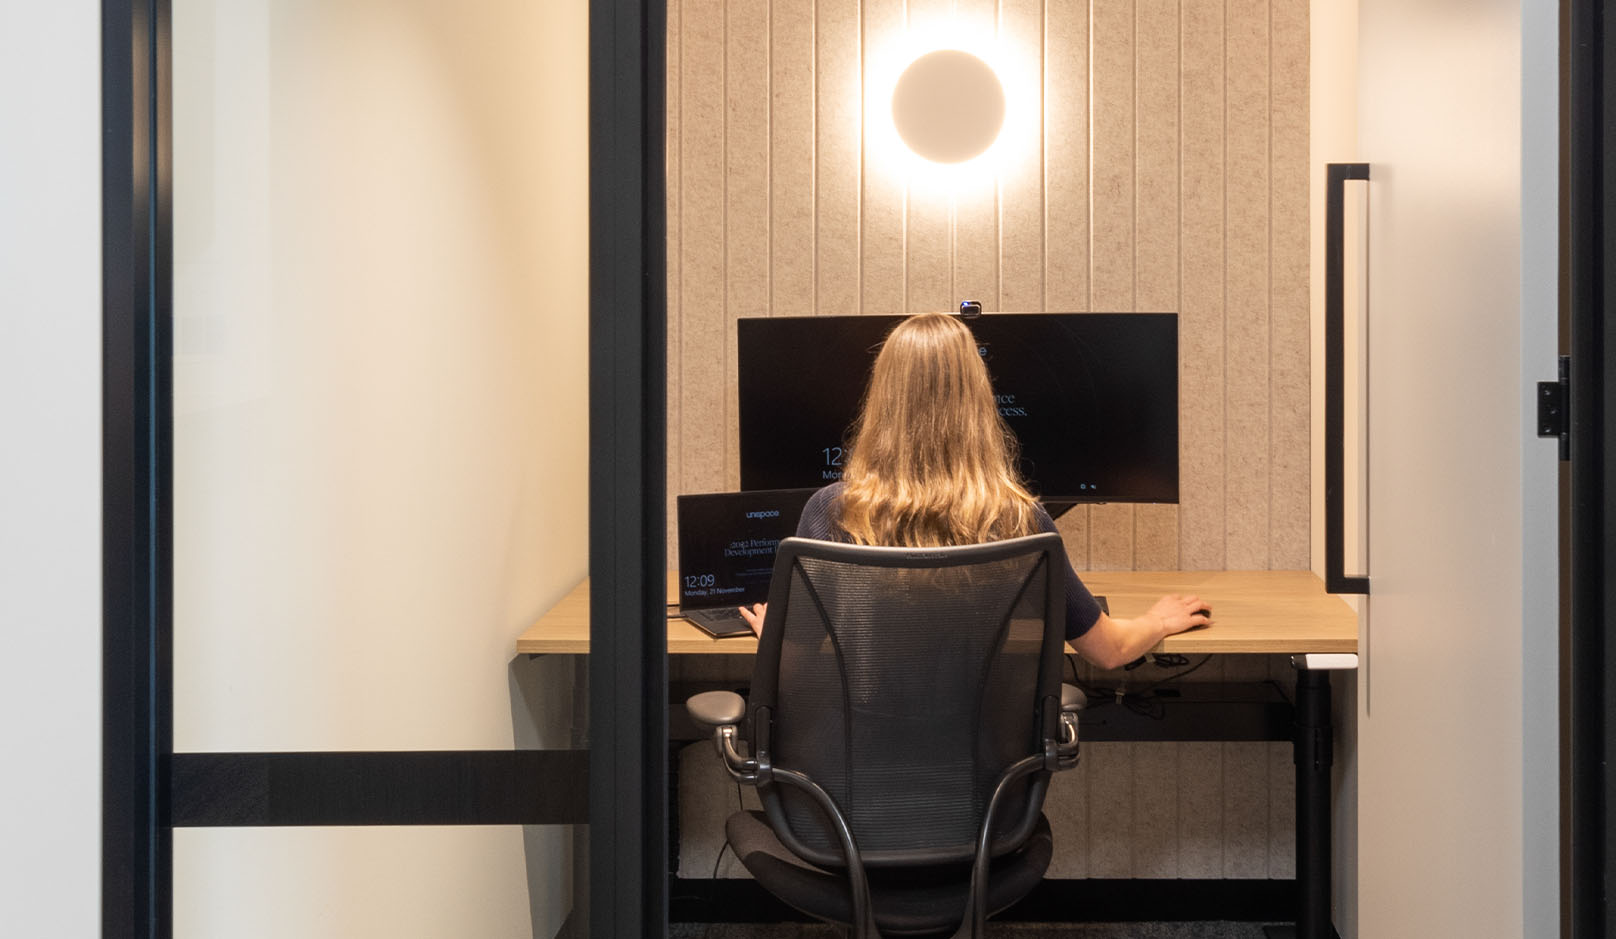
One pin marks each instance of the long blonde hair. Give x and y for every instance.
(932, 463)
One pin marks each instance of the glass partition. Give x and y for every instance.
(380, 433)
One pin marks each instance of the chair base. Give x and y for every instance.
(926, 904)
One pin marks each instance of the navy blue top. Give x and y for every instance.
(819, 521)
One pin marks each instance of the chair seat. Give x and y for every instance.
(919, 903)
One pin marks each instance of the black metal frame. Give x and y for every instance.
(627, 469)
(1052, 901)
(135, 565)
(1590, 251)
(147, 788)
(1335, 577)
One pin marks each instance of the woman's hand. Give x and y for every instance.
(754, 617)
(1178, 613)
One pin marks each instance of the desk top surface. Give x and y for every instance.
(1255, 612)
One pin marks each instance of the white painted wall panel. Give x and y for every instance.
(50, 469)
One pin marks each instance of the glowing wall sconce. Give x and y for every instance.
(948, 106)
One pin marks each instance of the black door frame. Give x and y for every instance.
(1590, 259)
(147, 788)
(628, 711)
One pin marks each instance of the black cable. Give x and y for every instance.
(719, 859)
(1142, 701)
(1175, 676)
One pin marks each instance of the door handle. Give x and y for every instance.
(1335, 577)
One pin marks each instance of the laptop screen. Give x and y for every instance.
(727, 542)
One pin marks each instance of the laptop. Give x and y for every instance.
(727, 542)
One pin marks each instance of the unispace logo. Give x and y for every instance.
(764, 513)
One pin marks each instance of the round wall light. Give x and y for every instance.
(948, 106)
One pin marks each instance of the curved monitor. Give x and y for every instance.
(1092, 398)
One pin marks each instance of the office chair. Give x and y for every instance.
(906, 713)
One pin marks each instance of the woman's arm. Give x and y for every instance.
(1113, 643)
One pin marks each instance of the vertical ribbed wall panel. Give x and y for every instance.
(1154, 834)
(746, 195)
(1281, 811)
(885, 185)
(1112, 188)
(1247, 273)
(929, 249)
(1290, 452)
(1066, 194)
(1246, 798)
(1202, 257)
(1067, 808)
(1156, 201)
(1021, 177)
(838, 108)
(1200, 810)
(976, 202)
(1164, 167)
(702, 314)
(791, 159)
(1109, 767)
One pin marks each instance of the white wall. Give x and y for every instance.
(50, 469)
(381, 432)
(1457, 685)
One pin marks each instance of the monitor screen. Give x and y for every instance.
(1091, 397)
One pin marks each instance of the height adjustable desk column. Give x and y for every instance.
(1258, 612)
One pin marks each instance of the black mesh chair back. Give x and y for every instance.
(904, 682)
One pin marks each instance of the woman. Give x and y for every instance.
(932, 464)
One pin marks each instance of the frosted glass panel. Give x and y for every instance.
(380, 227)
(340, 883)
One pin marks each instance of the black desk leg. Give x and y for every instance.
(1314, 754)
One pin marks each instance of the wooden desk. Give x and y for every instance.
(1256, 612)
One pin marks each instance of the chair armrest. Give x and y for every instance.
(723, 711)
(716, 708)
(1066, 750)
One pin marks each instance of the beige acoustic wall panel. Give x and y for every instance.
(1021, 179)
(1162, 166)
(1066, 194)
(929, 251)
(1246, 286)
(884, 218)
(1112, 189)
(1156, 201)
(790, 89)
(746, 197)
(702, 289)
(1290, 426)
(975, 223)
(839, 137)
(1202, 257)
